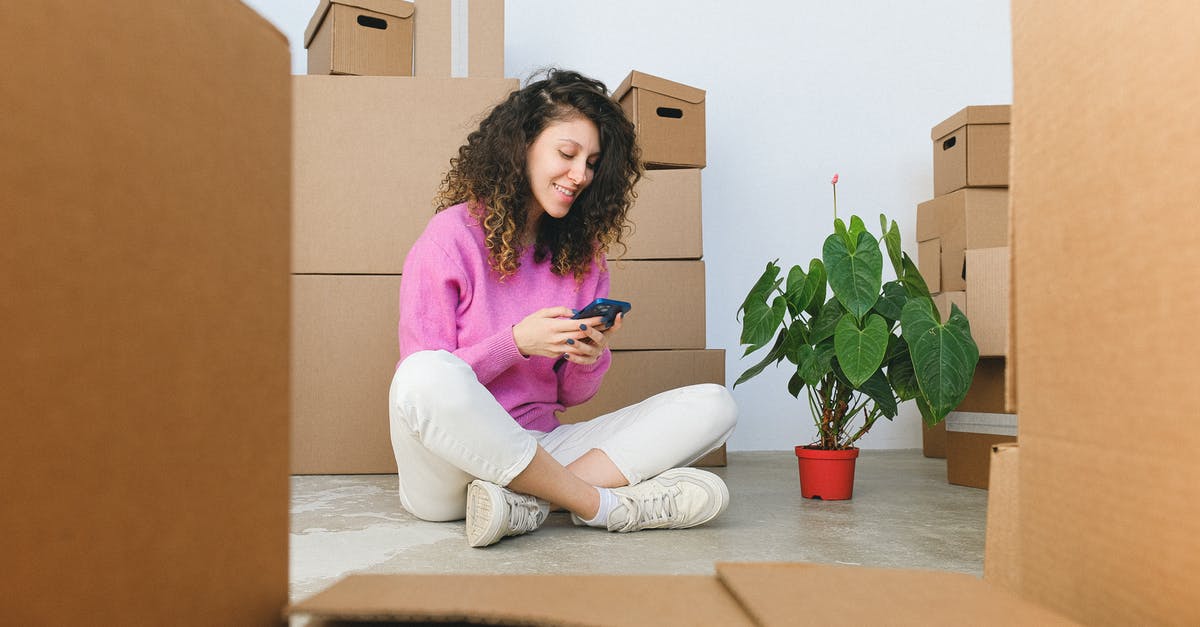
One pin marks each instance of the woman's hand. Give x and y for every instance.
(552, 333)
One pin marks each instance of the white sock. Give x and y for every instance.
(608, 501)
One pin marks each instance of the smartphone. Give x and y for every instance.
(606, 308)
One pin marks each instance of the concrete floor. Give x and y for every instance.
(903, 514)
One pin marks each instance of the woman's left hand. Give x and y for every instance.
(588, 349)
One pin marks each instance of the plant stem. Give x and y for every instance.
(871, 418)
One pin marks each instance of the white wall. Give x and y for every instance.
(797, 90)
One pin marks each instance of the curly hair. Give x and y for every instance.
(489, 174)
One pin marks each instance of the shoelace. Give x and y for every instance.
(523, 516)
(652, 510)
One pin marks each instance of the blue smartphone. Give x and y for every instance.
(606, 308)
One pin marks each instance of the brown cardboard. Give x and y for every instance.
(1108, 290)
(444, 38)
(665, 219)
(1002, 551)
(971, 148)
(637, 375)
(528, 600)
(965, 219)
(369, 155)
(344, 352)
(988, 285)
(361, 37)
(669, 117)
(144, 384)
(668, 304)
(945, 299)
(929, 263)
(812, 594)
(1010, 372)
(933, 440)
(986, 393)
(969, 441)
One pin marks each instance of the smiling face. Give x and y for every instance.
(560, 164)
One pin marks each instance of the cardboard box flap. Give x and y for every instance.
(528, 600)
(793, 593)
(659, 86)
(976, 114)
(397, 8)
(982, 422)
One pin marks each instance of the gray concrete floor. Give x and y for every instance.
(903, 515)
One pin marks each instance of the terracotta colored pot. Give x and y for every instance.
(826, 475)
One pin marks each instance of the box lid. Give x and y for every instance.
(658, 85)
(528, 600)
(981, 422)
(397, 8)
(977, 114)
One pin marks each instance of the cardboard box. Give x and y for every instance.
(970, 149)
(144, 384)
(1002, 552)
(460, 39)
(933, 440)
(361, 37)
(738, 594)
(945, 299)
(637, 375)
(1108, 290)
(986, 393)
(668, 304)
(370, 154)
(669, 117)
(665, 218)
(344, 352)
(988, 286)
(966, 219)
(929, 263)
(970, 437)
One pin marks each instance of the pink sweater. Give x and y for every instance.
(451, 299)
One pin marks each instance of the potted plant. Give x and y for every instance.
(859, 353)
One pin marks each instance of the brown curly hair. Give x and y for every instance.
(489, 174)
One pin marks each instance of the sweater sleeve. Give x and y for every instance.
(579, 383)
(434, 284)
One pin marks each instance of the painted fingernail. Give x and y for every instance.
(570, 341)
(574, 311)
(583, 327)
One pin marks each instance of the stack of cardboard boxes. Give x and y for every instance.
(661, 271)
(369, 154)
(963, 253)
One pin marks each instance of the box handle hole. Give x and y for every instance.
(372, 22)
(669, 112)
(949, 143)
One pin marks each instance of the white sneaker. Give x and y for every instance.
(676, 499)
(494, 512)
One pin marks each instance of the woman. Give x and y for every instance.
(489, 351)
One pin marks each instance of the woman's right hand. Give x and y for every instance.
(545, 332)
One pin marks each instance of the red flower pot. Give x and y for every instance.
(825, 474)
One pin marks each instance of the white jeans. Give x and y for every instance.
(448, 429)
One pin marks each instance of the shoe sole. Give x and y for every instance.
(710, 481)
(483, 528)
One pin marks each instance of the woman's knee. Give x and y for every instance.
(429, 376)
(716, 406)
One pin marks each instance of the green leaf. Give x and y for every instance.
(795, 291)
(797, 339)
(891, 240)
(927, 413)
(773, 356)
(891, 303)
(795, 385)
(814, 287)
(878, 390)
(914, 283)
(855, 276)
(763, 287)
(839, 229)
(760, 323)
(826, 322)
(816, 362)
(860, 350)
(901, 374)
(856, 227)
(943, 355)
